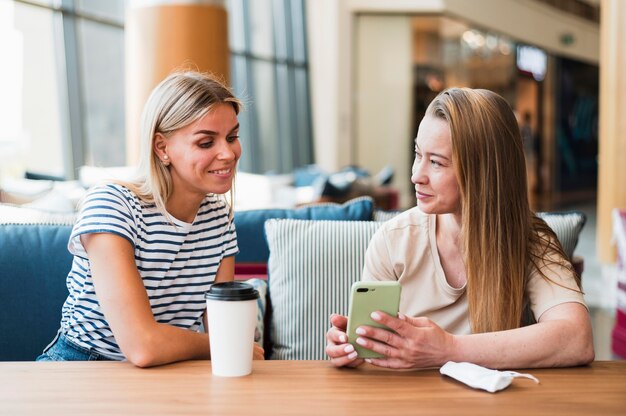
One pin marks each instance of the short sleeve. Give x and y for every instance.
(105, 209)
(231, 247)
(378, 264)
(561, 288)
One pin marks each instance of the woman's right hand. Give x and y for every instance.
(341, 353)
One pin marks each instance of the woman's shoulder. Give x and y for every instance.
(404, 235)
(112, 189)
(412, 218)
(113, 195)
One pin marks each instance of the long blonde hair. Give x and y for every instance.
(503, 241)
(179, 100)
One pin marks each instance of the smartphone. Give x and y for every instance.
(365, 298)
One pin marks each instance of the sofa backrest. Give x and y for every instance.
(34, 262)
(253, 249)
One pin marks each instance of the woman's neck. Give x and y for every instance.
(183, 208)
(450, 249)
(449, 227)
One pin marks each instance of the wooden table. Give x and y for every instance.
(297, 387)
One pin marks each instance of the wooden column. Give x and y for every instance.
(612, 128)
(162, 36)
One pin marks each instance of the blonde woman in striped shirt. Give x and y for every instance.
(146, 251)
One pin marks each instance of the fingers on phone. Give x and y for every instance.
(339, 321)
(341, 354)
(336, 336)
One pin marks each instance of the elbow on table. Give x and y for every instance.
(572, 345)
(581, 348)
(573, 332)
(587, 353)
(144, 353)
(143, 359)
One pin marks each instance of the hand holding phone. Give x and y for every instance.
(365, 298)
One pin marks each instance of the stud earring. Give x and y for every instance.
(166, 157)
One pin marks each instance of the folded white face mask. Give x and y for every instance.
(480, 377)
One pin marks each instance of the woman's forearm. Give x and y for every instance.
(563, 338)
(165, 343)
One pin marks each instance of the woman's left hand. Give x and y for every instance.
(415, 342)
(258, 353)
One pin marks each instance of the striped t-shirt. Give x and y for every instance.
(177, 262)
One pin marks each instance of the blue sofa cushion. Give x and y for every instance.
(34, 261)
(251, 234)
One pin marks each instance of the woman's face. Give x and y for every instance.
(436, 186)
(204, 154)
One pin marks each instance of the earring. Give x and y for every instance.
(166, 157)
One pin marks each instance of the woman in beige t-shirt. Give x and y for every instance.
(483, 279)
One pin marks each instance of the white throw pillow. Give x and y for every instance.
(312, 266)
(16, 214)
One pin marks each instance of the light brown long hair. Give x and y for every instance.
(503, 241)
(180, 99)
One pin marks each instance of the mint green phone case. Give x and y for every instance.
(365, 298)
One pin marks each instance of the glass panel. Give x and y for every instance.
(52, 3)
(239, 74)
(236, 25)
(304, 154)
(298, 32)
(102, 72)
(285, 111)
(263, 106)
(271, 76)
(282, 40)
(261, 28)
(30, 138)
(111, 9)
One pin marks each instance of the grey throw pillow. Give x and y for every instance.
(312, 266)
(566, 226)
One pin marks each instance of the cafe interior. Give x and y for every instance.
(333, 93)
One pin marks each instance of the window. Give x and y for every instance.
(269, 71)
(63, 89)
(32, 120)
(64, 101)
(102, 86)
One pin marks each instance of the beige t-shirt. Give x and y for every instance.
(405, 249)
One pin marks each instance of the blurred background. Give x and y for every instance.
(334, 93)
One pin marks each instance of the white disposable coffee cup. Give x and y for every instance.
(231, 312)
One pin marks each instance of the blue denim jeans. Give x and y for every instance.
(63, 349)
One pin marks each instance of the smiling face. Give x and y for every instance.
(436, 186)
(203, 155)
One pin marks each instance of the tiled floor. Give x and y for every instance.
(599, 285)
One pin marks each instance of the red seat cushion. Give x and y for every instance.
(244, 271)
